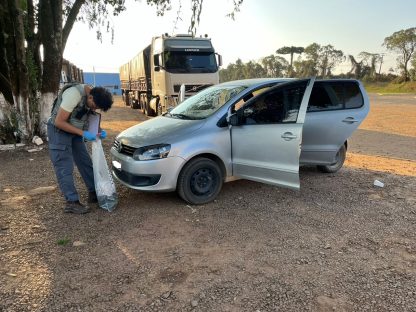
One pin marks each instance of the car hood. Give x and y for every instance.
(158, 130)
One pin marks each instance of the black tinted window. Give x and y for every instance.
(353, 97)
(326, 96)
(276, 106)
(335, 95)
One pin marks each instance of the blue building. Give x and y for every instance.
(110, 81)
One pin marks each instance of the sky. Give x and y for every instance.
(258, 30)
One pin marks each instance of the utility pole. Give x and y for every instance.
(93, 69)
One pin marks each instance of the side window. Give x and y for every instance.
(353, 96)
(247, 97)
(240, 103)
(326, 96)
(278, 106)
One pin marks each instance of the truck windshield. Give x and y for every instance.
(205, 103)
(188, 62)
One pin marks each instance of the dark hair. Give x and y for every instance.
(102, 98)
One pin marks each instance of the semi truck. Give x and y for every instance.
(152, 80)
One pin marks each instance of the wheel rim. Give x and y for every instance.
(203, 182)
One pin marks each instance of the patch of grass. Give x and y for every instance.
(390, 87)
(63, 241)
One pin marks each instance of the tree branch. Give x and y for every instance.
(72, 17)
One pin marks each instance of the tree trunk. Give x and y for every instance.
(16, 84)
(54, 38)
(50, 13)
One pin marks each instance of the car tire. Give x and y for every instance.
(340, 158)
(200, 181)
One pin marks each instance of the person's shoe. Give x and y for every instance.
(76, 207)
(92, 198)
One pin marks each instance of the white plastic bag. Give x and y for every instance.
(104, 184)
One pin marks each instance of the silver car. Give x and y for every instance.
(256, 129)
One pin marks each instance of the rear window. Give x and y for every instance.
(327, 95)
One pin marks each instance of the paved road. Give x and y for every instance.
(376, 99)
(384, 144)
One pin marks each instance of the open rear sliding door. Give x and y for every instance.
(267, 140)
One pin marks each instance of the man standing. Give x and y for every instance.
(67, 132)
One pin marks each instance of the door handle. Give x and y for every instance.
(350, 120)
(287, 136)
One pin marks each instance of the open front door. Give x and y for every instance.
(266, 134)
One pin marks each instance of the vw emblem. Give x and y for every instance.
(119, 147)
(194, 88)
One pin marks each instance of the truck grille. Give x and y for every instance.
(123, 149)
(191, 88)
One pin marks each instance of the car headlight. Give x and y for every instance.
(152, 152)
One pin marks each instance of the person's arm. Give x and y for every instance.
(61, 122)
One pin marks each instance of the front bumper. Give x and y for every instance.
(158, 175)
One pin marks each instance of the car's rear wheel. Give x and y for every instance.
(200, 181)
(339, 161)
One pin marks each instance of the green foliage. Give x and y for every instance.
(305, 68)
(328, 58)
(274, 66)
(95, 13)
(391, 87)
(196, 7)
(63, 241)
(290, 50)
(270, 66)
(404, 43)
(7, 130)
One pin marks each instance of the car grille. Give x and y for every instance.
(123, 149)
(191, 88)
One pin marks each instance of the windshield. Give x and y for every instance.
(205, 103)
(188, 62)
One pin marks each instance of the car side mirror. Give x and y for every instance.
(219, 59)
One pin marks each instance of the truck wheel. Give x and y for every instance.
(150, 111)
(145, 108)
(126, 99)
(135, 104)
(200, 181)
(339, 161)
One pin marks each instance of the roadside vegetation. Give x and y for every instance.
(322, 60)
(391, 87)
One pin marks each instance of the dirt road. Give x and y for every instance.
(339, 244)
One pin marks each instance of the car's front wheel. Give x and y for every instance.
(339, 161)
(200, 181)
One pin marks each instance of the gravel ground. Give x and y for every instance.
(339, 244)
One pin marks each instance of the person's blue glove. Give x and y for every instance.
(88, 136)
(103, 134)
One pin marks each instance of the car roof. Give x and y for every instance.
(263, 81)
(254, 82)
